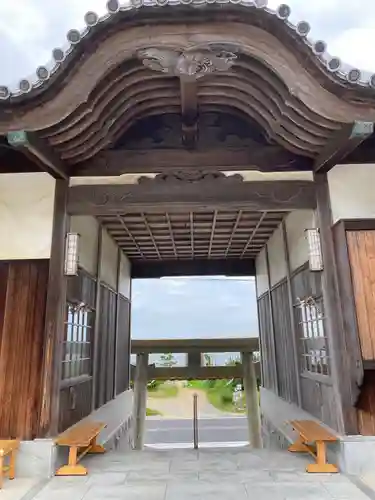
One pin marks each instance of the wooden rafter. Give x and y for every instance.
(236, 224)
(212, 237)
(191, 218)
(258, 157)
(149, 230)
(146, 236)
(252, 235)
(171, 233)
(122, 222)
(345, 141)
(189, 111)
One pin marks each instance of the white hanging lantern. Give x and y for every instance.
(71, 254)
(315, 249)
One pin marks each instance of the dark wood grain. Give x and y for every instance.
(334, 323)
(54, 319)
(196, 267)
(156, 196)
(24, 287)
(258, 157)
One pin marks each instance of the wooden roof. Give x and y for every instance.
(168, 57)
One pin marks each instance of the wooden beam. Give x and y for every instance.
(161, 346)
(38, 149)
(199, 373)
(258, 157)
(344, 142)
(140, 400)
(252, 399)
(193, 267)
(54, 319)
(346, 418)
(189, 111)
(96, 332)
(107, 199)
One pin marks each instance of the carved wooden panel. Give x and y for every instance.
(215, 130)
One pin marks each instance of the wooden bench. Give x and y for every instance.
(312, 439)
(81, 440)
(8, 448)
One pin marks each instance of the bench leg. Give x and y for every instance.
(73, 468)
(1, 471)
(95, 447)
(321, 460)
(12, 465)
(298, 446)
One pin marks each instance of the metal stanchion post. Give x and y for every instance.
(195, 420)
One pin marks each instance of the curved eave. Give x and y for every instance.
(323, 68)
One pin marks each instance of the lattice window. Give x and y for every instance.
(311, 328)
(77, 343)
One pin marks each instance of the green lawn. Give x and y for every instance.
(163, 390)
(219, 394)
(152, 413)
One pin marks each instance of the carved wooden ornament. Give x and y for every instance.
(193, 63)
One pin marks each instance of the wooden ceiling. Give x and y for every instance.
(203, 235)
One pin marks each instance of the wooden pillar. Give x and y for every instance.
(252, 400)
(95, 360)
(272, 325)
(140, 401)
(54, 318)
(293, 332)
(117, 321)
(332, 301)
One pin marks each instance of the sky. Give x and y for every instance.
(204, 307)
(30, 29)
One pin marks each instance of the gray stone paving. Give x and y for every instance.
(209, 474)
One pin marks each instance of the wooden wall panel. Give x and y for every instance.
(267, 355)
(318, 398)
(75, 403)
(123, 346)
(317, 394)
(82, 288)
(106, 346)
(284, 343)
(361, 247)
(24, 287)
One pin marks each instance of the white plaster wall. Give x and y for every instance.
(296, 223)
(351, 190)
(109, 261)
(125, 276)
(26, 215)
(276, 257)
(88, 229)
(261, 272)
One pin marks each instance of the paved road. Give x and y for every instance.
(211, 430)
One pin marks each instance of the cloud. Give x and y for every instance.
(203, 308)
(30, 29)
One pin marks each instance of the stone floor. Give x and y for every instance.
(218, 474)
